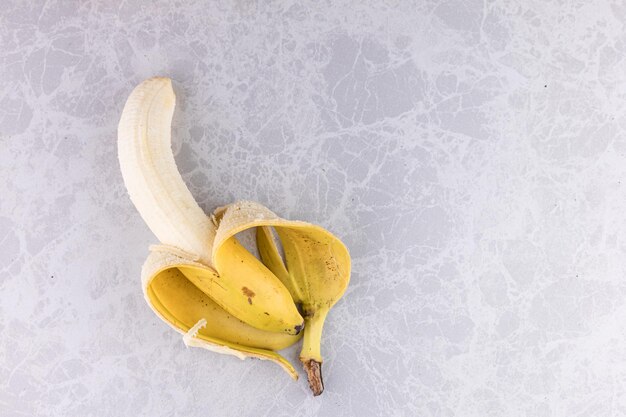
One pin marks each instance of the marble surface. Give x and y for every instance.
(470, 153)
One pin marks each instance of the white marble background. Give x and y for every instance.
(470, 153)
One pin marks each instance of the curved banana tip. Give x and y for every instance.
(298, 328)
(153, 82)
(158, 78)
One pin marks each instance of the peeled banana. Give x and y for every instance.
(229, 273)
(200, 279)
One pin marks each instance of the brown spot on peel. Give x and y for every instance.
(248, 293)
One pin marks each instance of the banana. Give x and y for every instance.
(231, 276)
(200, 279)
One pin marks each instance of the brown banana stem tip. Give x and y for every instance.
(313, 370)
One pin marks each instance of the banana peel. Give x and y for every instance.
(317, 274)
(182, 305)
(316, 269)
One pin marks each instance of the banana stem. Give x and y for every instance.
(310, 356)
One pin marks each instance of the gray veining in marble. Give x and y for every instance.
(470, 153)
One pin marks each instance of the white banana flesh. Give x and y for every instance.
(150, 173)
